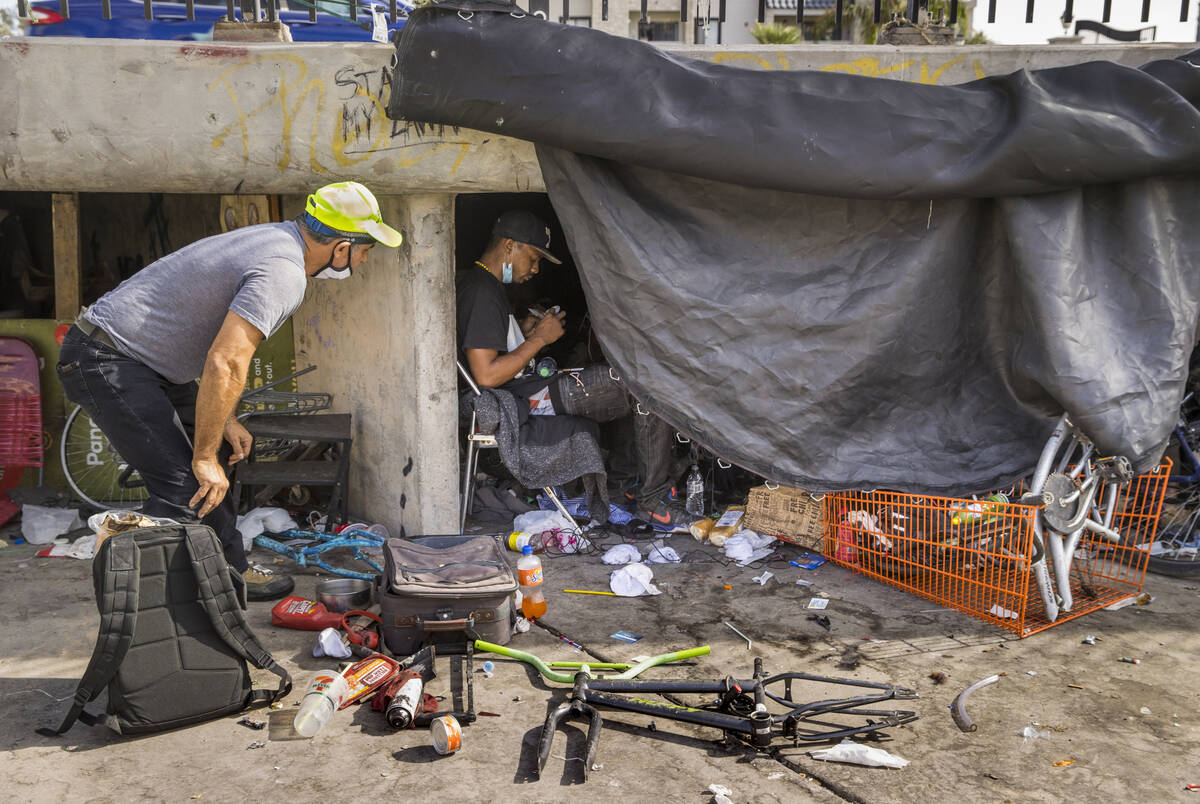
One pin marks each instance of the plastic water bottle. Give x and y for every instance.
(529, 576)
(325, 695)
(695, 492)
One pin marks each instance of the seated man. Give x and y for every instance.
(498, 353)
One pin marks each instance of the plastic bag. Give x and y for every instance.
(540, 521)
(42, 525)
(622, 554)
(747, 546)
(263, 520)
(859, 754)
(661, 554)
(633, 580)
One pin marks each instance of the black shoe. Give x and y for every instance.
(266, 584)
(667, 514)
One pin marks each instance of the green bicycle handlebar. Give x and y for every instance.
(564, 678)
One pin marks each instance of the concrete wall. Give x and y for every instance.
(383, 343)
(94, 115)
(113, 115)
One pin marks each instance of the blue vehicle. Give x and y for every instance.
(170, 20)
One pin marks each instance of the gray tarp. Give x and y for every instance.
(847, 282)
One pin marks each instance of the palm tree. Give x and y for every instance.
(776, 34)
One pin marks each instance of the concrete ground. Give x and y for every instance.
(1124, 732)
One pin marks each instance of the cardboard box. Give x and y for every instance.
(790, 514)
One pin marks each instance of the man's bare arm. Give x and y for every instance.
(221, 384)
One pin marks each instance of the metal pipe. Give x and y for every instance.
(106, 9)
(762, 10)
(189, 7)
(148, 9)
(23, 8)
(1028, 12)
(1145, 10)
(991, 11)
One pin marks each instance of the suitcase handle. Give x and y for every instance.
(448, 625)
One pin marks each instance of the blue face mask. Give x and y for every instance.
(506, 269)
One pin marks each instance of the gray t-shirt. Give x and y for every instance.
(168, 314)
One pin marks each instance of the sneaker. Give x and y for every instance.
(266, 584)
(668, 514)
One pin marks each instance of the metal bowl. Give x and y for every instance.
(344, 594)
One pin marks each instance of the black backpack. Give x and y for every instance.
(173, 641)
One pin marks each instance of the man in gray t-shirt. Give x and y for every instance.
(160, 361)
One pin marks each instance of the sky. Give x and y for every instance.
(1010, 27)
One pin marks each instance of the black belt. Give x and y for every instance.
(95, 333)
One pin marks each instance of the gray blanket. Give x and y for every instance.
(545, 450)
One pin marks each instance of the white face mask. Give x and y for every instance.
(329, 272)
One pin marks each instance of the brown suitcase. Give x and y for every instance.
(445, 590)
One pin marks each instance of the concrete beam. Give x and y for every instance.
(208, 117)
(383, 344)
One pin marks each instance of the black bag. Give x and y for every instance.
(173, 641)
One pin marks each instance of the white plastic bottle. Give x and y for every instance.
(695, 492)
(529, 575)
(325, 695)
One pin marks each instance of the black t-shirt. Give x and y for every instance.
(483, 311)
(482, 320)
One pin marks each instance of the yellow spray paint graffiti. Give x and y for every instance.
(354, 110)
(870, 66)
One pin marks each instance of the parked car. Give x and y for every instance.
(170, 20)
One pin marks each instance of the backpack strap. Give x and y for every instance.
(117, 576)
(221, 599)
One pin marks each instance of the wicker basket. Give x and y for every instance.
(792, 515)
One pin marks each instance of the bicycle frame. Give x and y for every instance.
(310, 555)
(739, 709)
(1069, 508)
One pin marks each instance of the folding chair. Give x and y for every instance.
(475, 442)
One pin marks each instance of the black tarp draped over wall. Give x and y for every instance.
(847, 282)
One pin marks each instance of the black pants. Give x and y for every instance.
(596, 394)
(150, 422)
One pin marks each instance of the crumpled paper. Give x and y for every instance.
(263, 520)
(859, 754)
(633, 580)
(329, 643)
(661, 554)
(747, 546)
(622, 554)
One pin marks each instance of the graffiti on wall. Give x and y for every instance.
(926, 73)
(340, 122)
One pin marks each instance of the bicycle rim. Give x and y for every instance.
(1176, 548)
(93, 468)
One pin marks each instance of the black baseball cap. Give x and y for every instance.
(527, 228)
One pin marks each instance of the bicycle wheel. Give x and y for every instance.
(1176, 548)
(93, 468)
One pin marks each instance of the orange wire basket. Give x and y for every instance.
(976, 555)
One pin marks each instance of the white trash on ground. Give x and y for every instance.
(661, 554)
(41, 524)
(263, 520)
(622, 554)
(747, 546)
(859, 754)
(633, 580)
(329, 643)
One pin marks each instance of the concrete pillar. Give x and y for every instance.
(383, 343)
